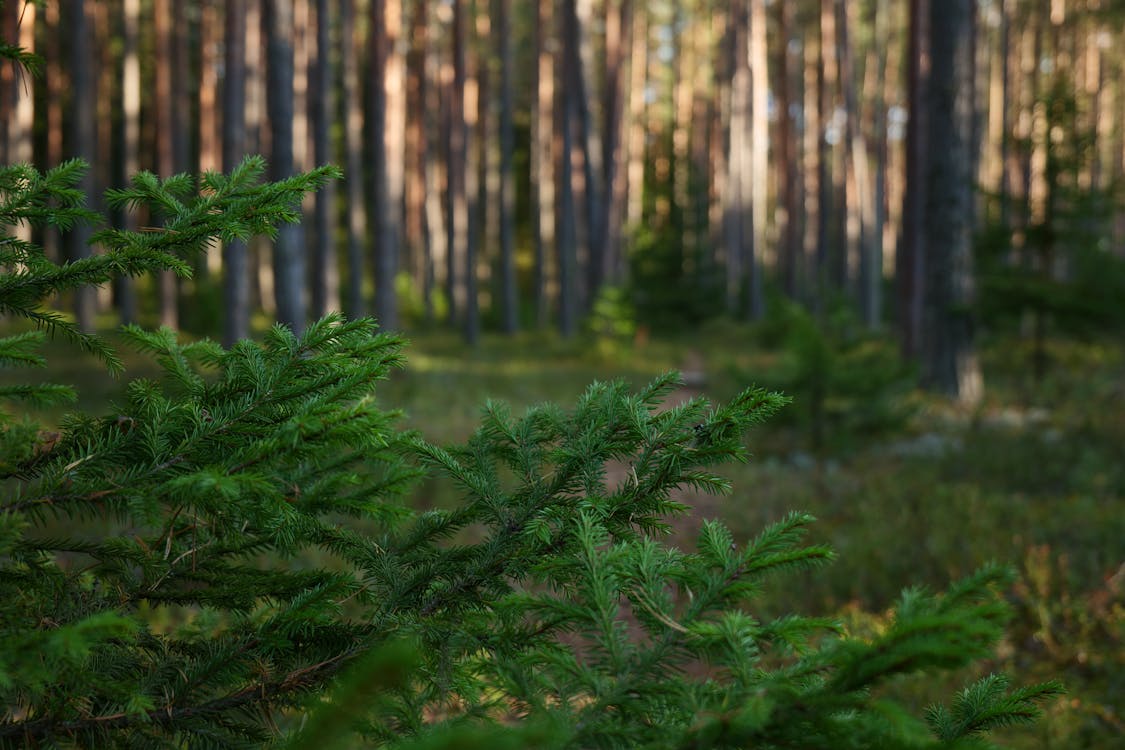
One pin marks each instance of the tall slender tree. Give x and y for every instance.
(236, 266)
(542, 163)
(352, 118)
(326, 274)
(130, 135)
(508, 299)
(949, 362)
(82, 137)
(757, 253)
(288, 247)
(457, 206)
(910, 254)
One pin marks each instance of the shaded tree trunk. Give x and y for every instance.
(909, 267)
(789, 196)
(619, 37)
(168, 87)
(950, 364)
(385, 131)
(130, 137)
(457, 205)
(81, 139)
(352, 117)
(508, 297)
(236, 267)
(759, 159)
(566, 112)
(542, 162)
(326, 276)
(288, 248)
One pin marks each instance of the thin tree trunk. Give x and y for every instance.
(352, 116)
(757, 256)
(619, 30)
(167, 131)
(57, 84)
(130, 137)
(578, 20)
(737, 206)
(457, 209)
(236, 268)
(788, 169)
(386, 133)
(814, 134)
(635, 147)
(909, 268)
(509, 308)
(542, 163)
(21, 143)
(865, 232)
(326, 276)
(566, 111)
(825, 84)
(415, 240)
(82, 139)
(288, 249)
(950, 361)
(210, 156)
(477, 85)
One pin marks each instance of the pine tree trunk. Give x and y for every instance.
(912, 242)
(236, 267)
(57, 84)
(788, 168)
(736, 206)
(385, 133)
(288, 249)
(167, 131)
(457, 209)
(509, 302)
(477, 93)
(566, 111)
(580, 63)
(414, 231)
(619, 30)
(635, 139)
(210, 156)
(81, 119)
(757, 255)
(130, 137)
(863, 233)
(352, 116)
(950, 363)
(326, 277)
(542, 163)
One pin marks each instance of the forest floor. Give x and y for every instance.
(1035, 477)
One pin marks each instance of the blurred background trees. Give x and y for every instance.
(510, 164)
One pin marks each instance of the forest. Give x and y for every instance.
(896, 228)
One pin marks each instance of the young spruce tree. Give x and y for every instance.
(222, 560)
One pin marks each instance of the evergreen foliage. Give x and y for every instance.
(223, 560)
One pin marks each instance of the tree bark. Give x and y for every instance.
(457, 228)
(757, 255)
(352, 117)
(950, 364)
(326, 275)
(130, 137)
(508, 296)
(788, 168)
(542, 163)
(82, 141)
(236, 268)
(288, 249)
(909, 267)
(167, 130)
